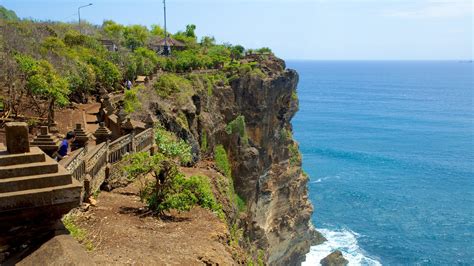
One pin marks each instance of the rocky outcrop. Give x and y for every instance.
(266, 164)
(334, 259)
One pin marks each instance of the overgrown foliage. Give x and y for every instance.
(295, 156)
(172, 147)
(237, 126)
(168, 84)
(131, 103)
(222, 162)
(169, 188)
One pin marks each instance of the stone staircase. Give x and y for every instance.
(34, 189)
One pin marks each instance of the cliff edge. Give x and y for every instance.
(249, 113)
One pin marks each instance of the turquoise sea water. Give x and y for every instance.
(389, 147)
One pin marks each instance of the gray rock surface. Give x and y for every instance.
(334, 259)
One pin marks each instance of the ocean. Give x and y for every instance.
(389, 148)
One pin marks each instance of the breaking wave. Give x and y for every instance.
(343, 240)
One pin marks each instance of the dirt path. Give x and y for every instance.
(123, 233)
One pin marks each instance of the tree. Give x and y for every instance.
(157, 30)
(236, 52)
(135, 36)
(113, 30)
(190, 31)
(208, 41)
(7, 14)
(43, 81)
(107, 74)
(146, 60)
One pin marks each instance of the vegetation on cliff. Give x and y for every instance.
(79, 64)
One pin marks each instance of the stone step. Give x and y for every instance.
(34, 156)
(44, 137)
(34, 198)
(43, 140)
(49, 166)
(61, 178)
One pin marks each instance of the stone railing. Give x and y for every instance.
(144, 140)
(89, 166)
(120, 147)
(97, 159)
(75, 164)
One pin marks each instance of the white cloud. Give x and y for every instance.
(436, 9)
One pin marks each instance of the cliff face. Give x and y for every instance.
(266, 164)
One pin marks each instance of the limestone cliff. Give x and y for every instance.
(266, 164)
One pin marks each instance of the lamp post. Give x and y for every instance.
(79, 13)
(166, 51)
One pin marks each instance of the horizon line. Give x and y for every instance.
(375, 60)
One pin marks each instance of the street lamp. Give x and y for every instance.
(167, 50)
(79, 13)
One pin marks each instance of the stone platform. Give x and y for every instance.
(35, 191)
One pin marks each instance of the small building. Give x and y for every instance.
(109, 45)
(158, 44)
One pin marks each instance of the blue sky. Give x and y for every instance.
(296, 29)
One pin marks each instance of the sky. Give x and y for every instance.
(295, 29)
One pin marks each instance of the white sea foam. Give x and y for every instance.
(343, 240)
(324, 178)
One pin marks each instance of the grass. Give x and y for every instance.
(78, 233)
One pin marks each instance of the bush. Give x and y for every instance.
(131, 102)
(145, 60)
(172, 147)
(170, 189)
(237, 126)
(222, 162)
(295, 155)
(168, 84)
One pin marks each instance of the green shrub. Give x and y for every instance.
(53, 44)
(237, 126)
(295, 155)
(241, 204)
(170, 189)
(146, 60)
(264, 50)
(172, 147)
(168, 84)
(203, 140)
(131, 102)
(222, 162)
(294, 96)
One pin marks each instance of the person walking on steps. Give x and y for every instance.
(64, 146)
(128, 84)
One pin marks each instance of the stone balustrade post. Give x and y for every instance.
(132, 141)
(17, 137)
